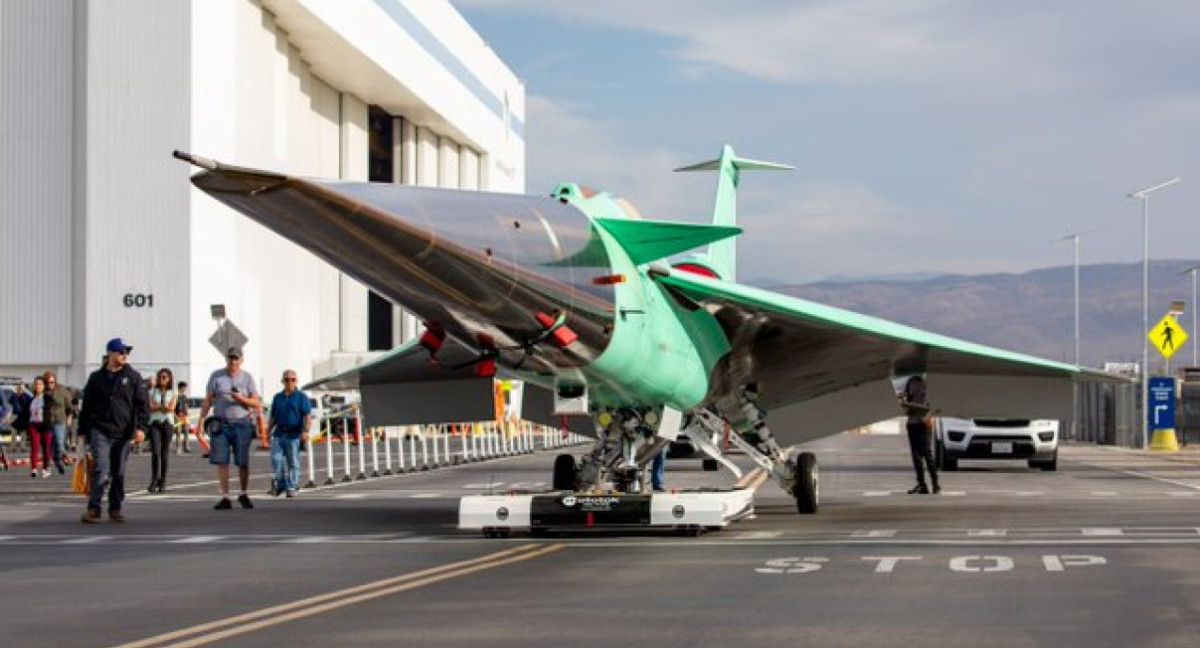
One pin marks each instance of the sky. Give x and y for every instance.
(945, 136)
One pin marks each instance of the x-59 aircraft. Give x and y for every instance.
(576, 293)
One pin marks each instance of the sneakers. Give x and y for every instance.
(919, 489)
(90, 517)
(223, 504)
(291, 493)
(244, 500)
(115, 516)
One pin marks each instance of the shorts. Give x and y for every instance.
(232, 437)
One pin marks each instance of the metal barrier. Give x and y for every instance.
(429, 447)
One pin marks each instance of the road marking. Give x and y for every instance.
(876, 493)
(874, 533)
(425, 496)
(206, 633)
(86, 540)
(312, 539)
(1098, 532)
(199, 539)
(987, 533)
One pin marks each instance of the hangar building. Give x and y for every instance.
(102, 235)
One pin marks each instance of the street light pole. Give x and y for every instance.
(1144, 196)
(1074, 238)
(1195, 346)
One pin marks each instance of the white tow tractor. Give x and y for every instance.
(686, 512)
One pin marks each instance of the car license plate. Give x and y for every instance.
(1002, 447)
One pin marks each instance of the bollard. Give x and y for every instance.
(412, 448)
(346, 454)
(424, 448)
(446, 445)
(437, 460)
(362, 457)
(311, 462)
(400, 449)
(374, 451)
(466, 455)
(328, 455)
(387, 453)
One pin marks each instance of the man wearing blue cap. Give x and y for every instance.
(115, 408)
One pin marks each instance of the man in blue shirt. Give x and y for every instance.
(288, 420)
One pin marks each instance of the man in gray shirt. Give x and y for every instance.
(232, 396)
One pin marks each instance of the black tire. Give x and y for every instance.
(1049, 465)
(710, 465)
(808, 484)
(944, 462)
(564, 472)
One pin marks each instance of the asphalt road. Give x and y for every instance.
(1101, 553)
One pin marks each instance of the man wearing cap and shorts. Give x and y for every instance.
(233, 398)
(115, 408)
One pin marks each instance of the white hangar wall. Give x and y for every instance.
(109, 89)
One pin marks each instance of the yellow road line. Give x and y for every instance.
(251, 621)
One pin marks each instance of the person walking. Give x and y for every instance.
(233, 398)
(916, 407)
(288, 420)
(115, 408)
(57, 411)
(183, 426)
(20, 402)
(41, 437)
(162, 427)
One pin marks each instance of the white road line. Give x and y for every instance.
(311, 539)
(987, 533)
(425, 496)
(86, 540)
(1095, 532)
(876, 493)
(198, 539)
(874, 533)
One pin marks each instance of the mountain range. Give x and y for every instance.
(1031, 312)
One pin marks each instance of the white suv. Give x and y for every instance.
(1035, 441)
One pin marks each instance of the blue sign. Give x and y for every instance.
(1161, 408)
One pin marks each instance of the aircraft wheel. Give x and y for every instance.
(807, 489)
(710, 465)
(564, 472)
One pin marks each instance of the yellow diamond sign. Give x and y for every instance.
(1167, 336)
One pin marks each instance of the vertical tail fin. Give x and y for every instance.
(722, 255)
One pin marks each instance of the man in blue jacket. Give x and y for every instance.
(115, 408)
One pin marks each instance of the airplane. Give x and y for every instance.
(576, 293)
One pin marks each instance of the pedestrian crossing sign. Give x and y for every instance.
(1168, 336)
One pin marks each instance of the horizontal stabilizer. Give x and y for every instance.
(645, 241)
(742, 164)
